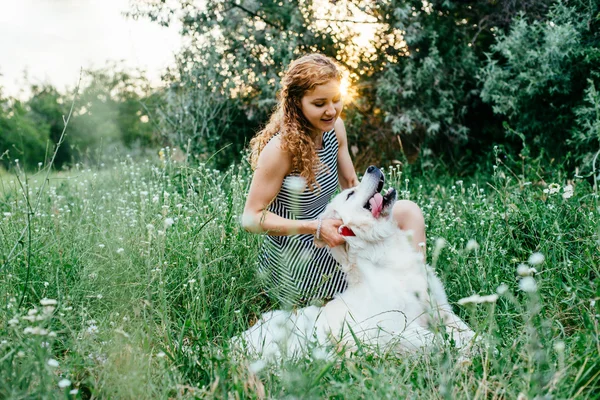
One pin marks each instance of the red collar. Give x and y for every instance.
(345, 231)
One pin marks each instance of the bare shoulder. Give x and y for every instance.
(273, 157)
(340, 131)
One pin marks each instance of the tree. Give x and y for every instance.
(416, 78)
(541, 77)
(20, 137)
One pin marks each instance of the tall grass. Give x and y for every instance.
(139, 274)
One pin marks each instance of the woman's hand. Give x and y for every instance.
(329, 232)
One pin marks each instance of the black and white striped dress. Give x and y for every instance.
(294, 269)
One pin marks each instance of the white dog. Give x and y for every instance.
(394, 302)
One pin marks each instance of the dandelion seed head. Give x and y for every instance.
(524, 270)
(477, 299)
(536, 259)
(295, 183)
(48, 302)
(528, 284)
(472, 245)
(257, 366)
(319, 354)
(63, 383)
(168, 223)
(559, 346)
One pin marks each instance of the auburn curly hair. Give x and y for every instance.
(288, 120)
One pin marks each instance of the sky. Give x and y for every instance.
(53, 39)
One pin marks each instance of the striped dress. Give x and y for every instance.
(294, 269)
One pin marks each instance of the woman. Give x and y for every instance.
(299, 159)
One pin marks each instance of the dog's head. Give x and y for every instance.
(363, 209)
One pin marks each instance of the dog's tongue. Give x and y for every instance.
(376, 203)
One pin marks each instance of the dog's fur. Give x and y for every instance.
(393, 300)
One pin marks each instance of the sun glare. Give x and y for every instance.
(347, 90)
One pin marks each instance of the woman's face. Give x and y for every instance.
(322, 106)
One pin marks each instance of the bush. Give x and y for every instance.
(536, 77)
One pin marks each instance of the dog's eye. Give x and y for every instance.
(350, 195)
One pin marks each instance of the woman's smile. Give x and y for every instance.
(322, 106)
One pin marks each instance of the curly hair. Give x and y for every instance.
(302, 76)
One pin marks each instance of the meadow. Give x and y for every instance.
(127, 280)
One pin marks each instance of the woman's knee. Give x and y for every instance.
(408, 216)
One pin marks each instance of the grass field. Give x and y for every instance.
(131, 279)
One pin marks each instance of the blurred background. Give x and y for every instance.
(437, 83)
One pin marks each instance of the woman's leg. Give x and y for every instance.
(409, 217)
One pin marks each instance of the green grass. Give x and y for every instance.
(145, 309)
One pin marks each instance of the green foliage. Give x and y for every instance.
(415, 81)
(585, 136)
(47, 108)
(536, 76)
(153, 275)
(199, 113)
(112, 110)
(21, 137)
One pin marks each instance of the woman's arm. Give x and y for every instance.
(347, 175)
(272, 167)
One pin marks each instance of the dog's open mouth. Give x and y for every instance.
(378, 204)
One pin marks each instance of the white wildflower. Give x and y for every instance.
(528, 284)
(48, 302)
(120, 250)
(168, 223)
(257, 366)
(63, 383)
(567, 192)
(101, 246)
(319, 354)
(160, 354)
(92, 329)
(53, 363)
(559, 346)
(35, 331)
(472, 245)
(503, 288)
(74, 391)
(7, 214)
(553, 188)
(295, 183)
(536, 259)
(13, 322)
(524, 270)
(477, 299)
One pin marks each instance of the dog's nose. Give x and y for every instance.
(371, 169)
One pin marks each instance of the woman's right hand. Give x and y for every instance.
(329, 232)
